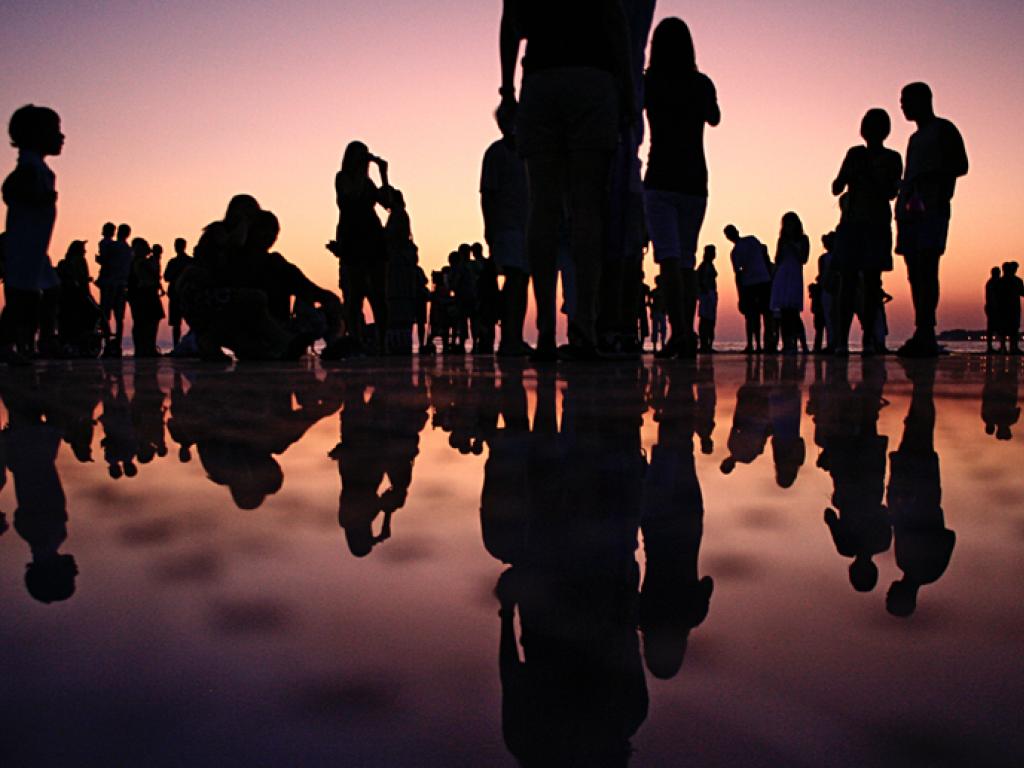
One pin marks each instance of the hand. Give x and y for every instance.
(507, 109)
(382, 164)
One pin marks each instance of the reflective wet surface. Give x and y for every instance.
(463, 562)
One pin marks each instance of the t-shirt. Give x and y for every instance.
(748, 259)
(31, 197)
(115, 264)
(564, 33)
(503, 178)
(873, 179)
(677, 111)
(174, 269)
(936, 157)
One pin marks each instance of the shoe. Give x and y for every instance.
(546, 351)
(916, 347)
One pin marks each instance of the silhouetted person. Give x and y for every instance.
(817, 314)
(674, 598)
(30, 282)
(707, 300)
(829, 281)
(854, 454)
(784, 408)
(870, 180)
(753, 283)
(999, 398)
(751, 421)
(403, 279)
(924, 545)
(359, 242)
(577, 694)
(172, 272)
(679, 101)
(993, 309)
(78, 314)
(787, 297)
(144, 296)
(32, 445)
(1009, 290)
(577, 86)
(487, 312)
(936, 158)
(626, 232)
(115, 260)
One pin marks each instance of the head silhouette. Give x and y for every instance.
(158, 250)
(672, 50)
(792, 228)
(179, 245)
(140, 247)
(264, 231)
(1010, 268)
(109, 229)
(76, 250)
(124, 231)
(36, 129)
(241, 208)
(875, 127)
(731, 233)
(863, 574)
(916, 102)
(356, 160)
(828, 241)
(51, 580)
(995, 272)
(902, 598)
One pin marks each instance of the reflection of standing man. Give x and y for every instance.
(936, 157)
(923, 543)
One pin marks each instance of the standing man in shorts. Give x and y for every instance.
(936, 158)
(754, 284)
(577, 90)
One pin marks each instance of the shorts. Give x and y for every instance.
(755, 299)
(922, 233)
(174, 316)
(673, 222)
(508, 249)
(568, 109)
(861, 247)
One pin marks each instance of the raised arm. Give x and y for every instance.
(509, 42)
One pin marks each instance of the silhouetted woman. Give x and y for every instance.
(869, 180)
(359, 244)
(791, 253)
(144, 296)
(577, 88)
(679, 101)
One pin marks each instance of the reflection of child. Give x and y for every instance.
(31, 197)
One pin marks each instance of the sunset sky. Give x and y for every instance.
(170, 108)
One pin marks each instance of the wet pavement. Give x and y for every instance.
(463, 562)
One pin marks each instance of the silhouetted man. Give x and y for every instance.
(577, 87)
(924, 545)
(754, 284)
(115, 268)
(936, 158)
(175, 268)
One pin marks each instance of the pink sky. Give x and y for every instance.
(169, 110)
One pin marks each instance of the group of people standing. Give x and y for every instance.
(561, 193)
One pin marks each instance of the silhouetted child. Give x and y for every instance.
(175, 269)
(30, 282)
(144, 296)
(707, 297)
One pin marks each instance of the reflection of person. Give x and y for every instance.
(936, 158)
(41, 517)
(674, 598)
(924, 545)
(577, 694)
(784, 407)
(751, 421)
(854, 454)
(999, 397)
